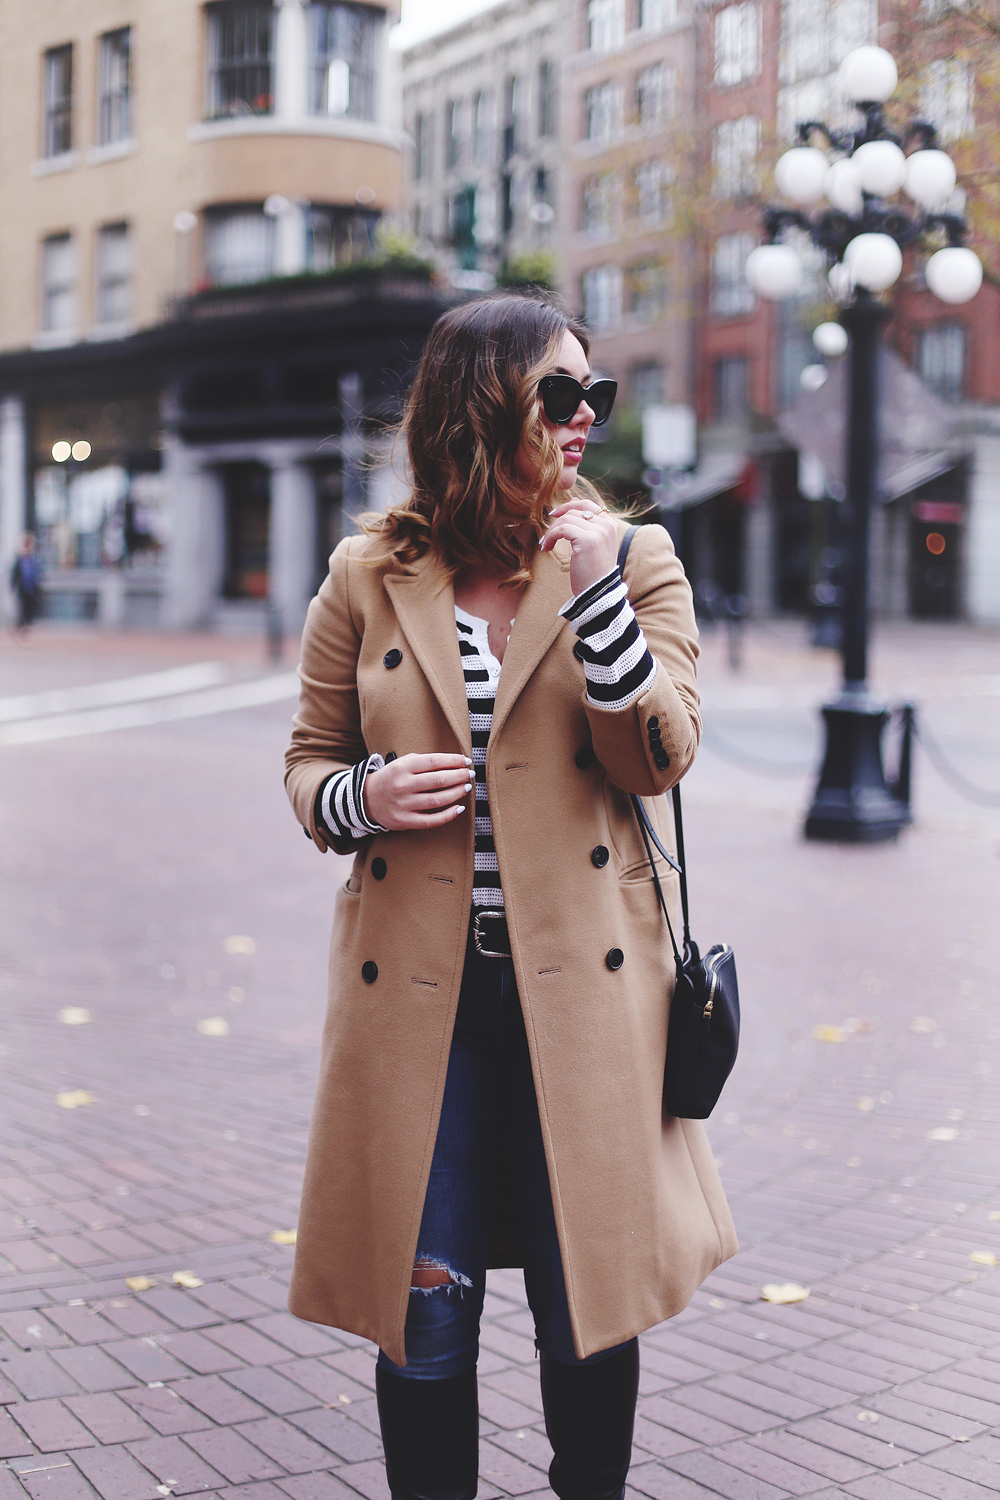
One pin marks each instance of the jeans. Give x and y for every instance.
(489, 1107)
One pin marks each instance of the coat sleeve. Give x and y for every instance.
(326, 733)
(663, 721)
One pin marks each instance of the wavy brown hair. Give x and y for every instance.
(472, 408)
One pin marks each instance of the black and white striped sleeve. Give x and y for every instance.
(616, 660)
(340, 807)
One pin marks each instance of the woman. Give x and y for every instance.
(480, 694)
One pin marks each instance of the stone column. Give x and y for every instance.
(196, 555)
(13, 494)
(291, 239)
(291, 61)
(759, 554)
(982, 539)
(292, 543)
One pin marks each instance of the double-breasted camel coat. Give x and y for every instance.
(638, 1204)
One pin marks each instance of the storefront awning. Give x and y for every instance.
(915, 427)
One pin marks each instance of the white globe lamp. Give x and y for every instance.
(843, 186)
(830, 339)
(813, 377)
(868, 76)
(800, 174)
(930, 178)
(874, 261)
(954, 274)
(881, 167)
(774, 272)
(840, 281)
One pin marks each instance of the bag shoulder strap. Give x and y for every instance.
(645, 826)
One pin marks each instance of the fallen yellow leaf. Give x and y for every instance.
(943, 1133)
(213, 1026)
(866, 1104)
(240, 944)
(75, 1015)
(186, 1278)
(867, 1416)
(984, 1258)
(829, 1034)
(717, 1303)
(139, 1283)
(784, 1291)
(994, 1214)
(73, 1098)
(923, 1024)
(283, 1237)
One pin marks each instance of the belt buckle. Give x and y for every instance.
(477, 935)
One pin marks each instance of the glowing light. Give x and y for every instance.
(61, 451)
(935, 543)
(81, 450)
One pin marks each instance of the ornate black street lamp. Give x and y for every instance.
(862, 234)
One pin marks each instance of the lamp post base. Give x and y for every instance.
(852, 803)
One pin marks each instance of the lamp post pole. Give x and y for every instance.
(852, 802)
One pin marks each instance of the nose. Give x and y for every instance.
(583, 416)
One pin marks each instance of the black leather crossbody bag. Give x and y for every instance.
(703, 1034)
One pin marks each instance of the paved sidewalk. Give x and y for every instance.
(858, 1138)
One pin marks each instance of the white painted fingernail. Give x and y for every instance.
(459, 809)
(468, 786)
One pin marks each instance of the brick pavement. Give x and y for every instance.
(864, 1167)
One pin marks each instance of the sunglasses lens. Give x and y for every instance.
(561, 396)
(600, 398)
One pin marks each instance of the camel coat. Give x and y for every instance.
(638, 1204)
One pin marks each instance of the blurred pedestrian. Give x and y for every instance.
(480, 693)
(26, 581)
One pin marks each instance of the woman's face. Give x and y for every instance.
(572, 435)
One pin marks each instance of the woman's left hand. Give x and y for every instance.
(593, 535)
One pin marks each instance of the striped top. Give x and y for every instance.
(617, 666)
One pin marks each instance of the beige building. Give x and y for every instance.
(156, 153)
(480, 105)
(628, 111)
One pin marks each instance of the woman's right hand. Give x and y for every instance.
(418, 791)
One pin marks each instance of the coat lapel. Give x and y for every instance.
(424, 601)
(536, 626)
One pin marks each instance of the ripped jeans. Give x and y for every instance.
(489, 1104)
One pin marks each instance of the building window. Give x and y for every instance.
(731, 388)
(941, 359)
(737, 43)
(421, 146)
(342, 47)
(601, 204)
(656, 15)
(648, 291)
(603, 112)
(59, 284)
(645, 384)
(513, 117)
(605, 25)
(338, 236)
(546, 98)
(735, 144)
(507, 205)
(239, 246)
(57, 96)
(484, 124)
(114, 95)
(731, 294)
(655, 96)
(453, 133)
(602, 298)
(946, 93)
(652, 193)
(114, 274)
(240, 41)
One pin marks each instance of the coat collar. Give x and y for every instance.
(424, 601)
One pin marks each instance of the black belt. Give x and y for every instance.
(489, 934)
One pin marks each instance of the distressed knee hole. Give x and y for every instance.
(429, 1275)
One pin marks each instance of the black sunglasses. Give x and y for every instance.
(561, 397)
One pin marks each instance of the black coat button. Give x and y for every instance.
(379, 868)
(390, 757)
(599, 857)
(392, 658)
(655, 738)
(615, 959)
(653, 723)
(584, 758)
(369, 972)
(662, 759)
(579, 651)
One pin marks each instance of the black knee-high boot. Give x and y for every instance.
(430, 1432)
(589, 1416)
